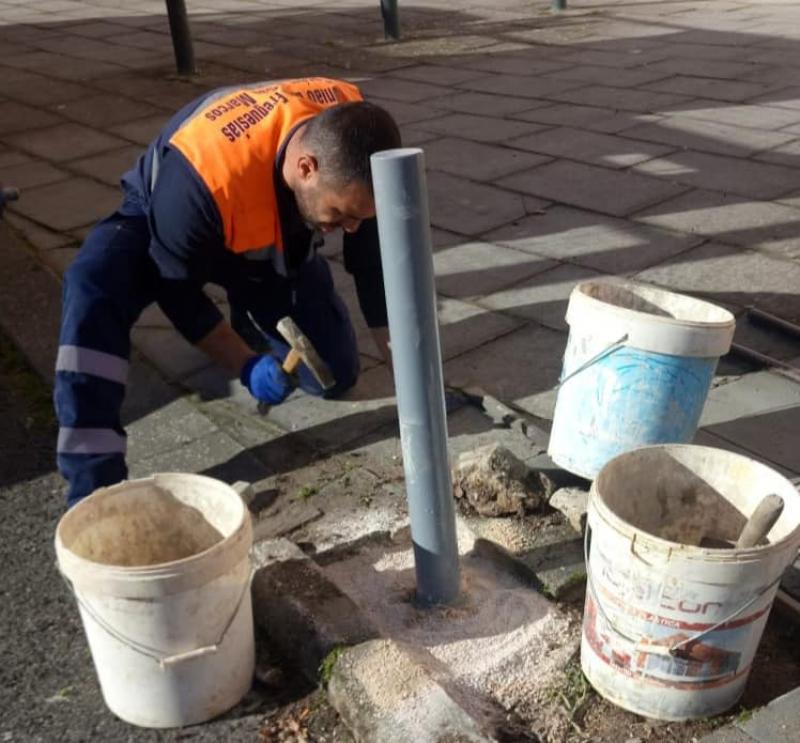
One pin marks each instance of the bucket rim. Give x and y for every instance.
(722, 554)
(69, 560)
(580, 292)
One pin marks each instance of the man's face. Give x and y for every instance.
(327, 208)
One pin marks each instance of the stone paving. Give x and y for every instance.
(658, 141)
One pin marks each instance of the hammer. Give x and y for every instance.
(300, 351)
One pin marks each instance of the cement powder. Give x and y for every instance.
(503, 640)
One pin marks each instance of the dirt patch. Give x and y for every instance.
(309, 720)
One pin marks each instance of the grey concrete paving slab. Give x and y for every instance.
(521, 86)
(709, 136)
(727, 735)
(619, 78)
(105, 110)
(725, 174)
(702, 87)
(165, 347)
(591, 187)
(215, 454)
(778, 721)
(479, 128)
(603, 243)
(733, 276)
(753, 394)
(464, 326)
(170, 427)
(32, 173)
(408, 704)
(590, 147)
(68, 204)
(470, 208)
(476, 161)
(141, 131)
(59, 260)
(486, 104)
(542, 297)
(642, 101)
(62, 67)
(109, 166)
(471, 269)
(592, 118)
(722, 69)
(408, 113)
(436, 74)
(784, 97)
(63, 142)
(513, 367)
(705, 438)
(753, 116)
(19, 117)
(731, 219)
(407, 91)
(10, 157)
(242, 422)
(787, 154)
(39, 237)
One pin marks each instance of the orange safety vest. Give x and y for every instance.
(232, 141)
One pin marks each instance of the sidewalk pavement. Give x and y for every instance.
(657, 141)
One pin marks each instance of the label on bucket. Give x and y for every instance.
(664, 632)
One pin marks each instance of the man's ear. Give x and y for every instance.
(307, 167)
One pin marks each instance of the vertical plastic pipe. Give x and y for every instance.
(181, 37)
(401, 204)
(391, 19)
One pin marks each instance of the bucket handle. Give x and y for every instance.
(607, 351)
(159, 656)
(674, 650)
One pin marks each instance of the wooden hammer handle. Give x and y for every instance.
(761, 521)
(291, 362)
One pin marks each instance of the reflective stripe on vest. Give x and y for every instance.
(232, 142)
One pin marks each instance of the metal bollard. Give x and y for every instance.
(401, 203)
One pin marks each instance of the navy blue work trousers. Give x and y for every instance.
(112, 280)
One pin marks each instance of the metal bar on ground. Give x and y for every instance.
(391, 18)
(181, 36)
(781, 367)
(401, 203)
(765, 318)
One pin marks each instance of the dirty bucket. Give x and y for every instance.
(637, 369)
(670, 628)
(161, 571)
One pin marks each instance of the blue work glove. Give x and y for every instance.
(266, 380)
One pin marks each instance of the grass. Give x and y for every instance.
(306, 492)
(329, 663)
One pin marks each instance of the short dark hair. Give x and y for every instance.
(344, 137)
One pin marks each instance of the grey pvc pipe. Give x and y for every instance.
(401, 204)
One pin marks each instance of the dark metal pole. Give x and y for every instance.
(401, 204)
(181, 36)
(391, 18)
(558, 4)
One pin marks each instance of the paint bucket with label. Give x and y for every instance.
(670, 627)
(637, 370)
(160, 569)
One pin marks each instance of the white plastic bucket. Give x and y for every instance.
(637, 369)
(161, 572)
(670, 629)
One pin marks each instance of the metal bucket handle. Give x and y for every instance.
(607, 351)
(674, 650)
(160, 656)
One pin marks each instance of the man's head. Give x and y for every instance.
(327, 164)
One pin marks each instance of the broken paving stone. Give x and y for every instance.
(283, 518)
(304, 614)
(493, 482)
(385, 694)
(572, 502)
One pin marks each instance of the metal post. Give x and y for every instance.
(181, 36)
(391, 19)
(558, 4)
(401, 203)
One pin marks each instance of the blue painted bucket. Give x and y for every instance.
(637, 370)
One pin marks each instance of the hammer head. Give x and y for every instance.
(307, 353)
